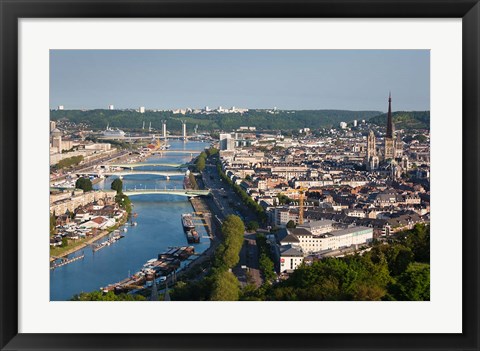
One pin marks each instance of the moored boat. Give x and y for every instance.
(187, 221)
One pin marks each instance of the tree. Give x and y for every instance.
(124, 202)
(200, 164)
(227, 254)
(64, 241)
(225, 287)
(68, 162)
(84, 183)
(252, 226)
(52, 224)
(212, 151)
(117, 185)
(291, 224)
(413, 284)
(267, 267)
(109, 296)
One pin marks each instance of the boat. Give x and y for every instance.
(187, 221)
(190, 238)
(116, 236)
(196, 237)
(125, 229)
(116, 133)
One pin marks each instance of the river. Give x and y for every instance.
(159, 227)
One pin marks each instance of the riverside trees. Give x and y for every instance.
(117, 185)
(220, 284)
(228, 253)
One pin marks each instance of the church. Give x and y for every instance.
(389, 158)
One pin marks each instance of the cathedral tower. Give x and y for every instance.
(372, 158)
(389, 141)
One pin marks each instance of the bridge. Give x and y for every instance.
(144, 164)
(176, 152)
(180, 192)
(128, 173)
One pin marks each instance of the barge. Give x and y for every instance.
(156, 269)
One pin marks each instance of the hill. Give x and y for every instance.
(405, 120)
(261, 119)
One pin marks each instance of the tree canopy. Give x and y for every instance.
(84, 183)
(117, 185)
(396, 271)
(110, 296)
(225, 287)
(261, 119)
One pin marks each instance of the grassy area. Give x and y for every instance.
(72, 244)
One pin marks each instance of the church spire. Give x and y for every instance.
(389, 117)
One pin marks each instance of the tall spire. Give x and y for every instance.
(389, 117)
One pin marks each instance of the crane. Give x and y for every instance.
(301, 197)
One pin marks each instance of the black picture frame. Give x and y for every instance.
(11, 11)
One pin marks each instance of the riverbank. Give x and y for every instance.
(82, 243)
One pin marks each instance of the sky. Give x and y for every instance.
(285, 79)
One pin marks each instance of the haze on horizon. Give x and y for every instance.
(286, 79)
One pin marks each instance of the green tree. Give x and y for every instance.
(117, 185)
(193, 181)
(200, 164)
(53, 223)
(124, 202)
(252, 226)
(267, 267)
(227, 253)
(84, 183)
(225, 287)
(291, 224)
(68, 162)
(64, 242)
(212, 151)
(413, 284)
(109, 296)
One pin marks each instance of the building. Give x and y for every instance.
(111, 107)
(53, 125)
(390, 149)
(141, 109)
(318, 227)
(60, 107)
(372, 160)
(227, 142)
(304, 240)
(56, 139)
(343, 125)
(290, 258)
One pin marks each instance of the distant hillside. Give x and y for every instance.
(405, 120)
(261, 119)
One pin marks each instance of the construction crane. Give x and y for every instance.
(301, 197)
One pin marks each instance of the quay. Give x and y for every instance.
(66, 261)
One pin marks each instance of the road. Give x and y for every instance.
(250, 273)
(223, 195)
(225, 201)
(84, 167)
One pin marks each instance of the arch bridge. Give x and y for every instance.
(145, 164)
(128, 173)
(180, 192)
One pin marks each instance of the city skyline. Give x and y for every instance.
(263, 79)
